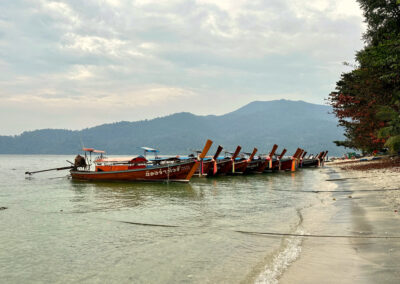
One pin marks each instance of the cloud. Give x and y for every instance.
(157, 57)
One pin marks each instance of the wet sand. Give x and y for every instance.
(360, 213)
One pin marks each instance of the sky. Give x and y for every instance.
(77, 64)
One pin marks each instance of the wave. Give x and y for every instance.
(290, 251)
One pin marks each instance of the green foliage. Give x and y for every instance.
(393, 143)
(366, 100)
(386, 114)
(346, 144)
(391, 132)
(382, 18)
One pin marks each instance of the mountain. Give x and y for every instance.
(289, 124)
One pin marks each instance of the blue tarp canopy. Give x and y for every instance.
(151, 150)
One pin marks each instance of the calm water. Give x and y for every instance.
(58, 230)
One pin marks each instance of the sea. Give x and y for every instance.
(211, 230)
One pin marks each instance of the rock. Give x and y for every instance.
(3, 208)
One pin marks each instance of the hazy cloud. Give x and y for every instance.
(74, 64)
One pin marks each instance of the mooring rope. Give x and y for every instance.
(338, 179)
(317, 236)
(148, 224)
(340, 191)
(277, 234)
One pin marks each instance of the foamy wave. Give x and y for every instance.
(281, 261)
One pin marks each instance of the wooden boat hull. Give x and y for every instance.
(286, 165)
(309, 163)
(181, 172)
(206, 168)
(275, 166)
(240, 167)
(264, 165)
(253, 166)
(224, 167)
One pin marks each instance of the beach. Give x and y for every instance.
(363, 203)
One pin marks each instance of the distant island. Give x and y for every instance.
(260, 124)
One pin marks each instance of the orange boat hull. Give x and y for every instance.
(177, 172)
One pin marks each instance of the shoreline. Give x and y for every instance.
(366, 213)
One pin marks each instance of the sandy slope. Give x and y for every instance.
(365, 211)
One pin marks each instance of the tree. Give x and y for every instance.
(373, 86)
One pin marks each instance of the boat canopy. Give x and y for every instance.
(93, 150)
(129, 160)
(148, 149)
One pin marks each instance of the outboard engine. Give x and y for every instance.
(80, 162)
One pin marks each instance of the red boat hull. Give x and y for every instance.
(205, 168)
(285, 165)
(224, 167)
(262, 166)
(181, 172)
(253, 166)
(240, 167)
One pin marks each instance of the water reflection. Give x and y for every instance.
(117, 195)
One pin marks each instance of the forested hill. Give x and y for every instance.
(289, 124)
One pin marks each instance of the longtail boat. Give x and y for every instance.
(322, 162)
(314, 161)
(302, 158)
(238, 166)
(240, 163)
(290, 164)
(138, 168)
(252, 163)
(267, 163)
(287, 164)
(226, 165)
(208, 165)
(276, 163)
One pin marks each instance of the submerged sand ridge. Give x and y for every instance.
(364, 212)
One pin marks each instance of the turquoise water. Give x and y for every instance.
(58, 230)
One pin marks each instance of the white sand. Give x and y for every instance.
(345, 260)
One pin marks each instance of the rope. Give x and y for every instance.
(337, 179)
(318, 236)
(148, 224)
(275, 234)
(333, 191)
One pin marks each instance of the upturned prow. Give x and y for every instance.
(219, 150)
(297, 153)
(201, 156)
(205, 149)
(274, 148)
(282, 154)
(253, 154)
(236, 152)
